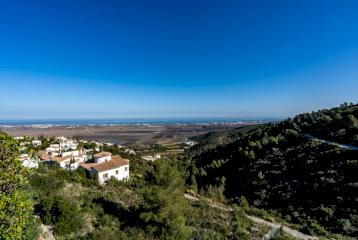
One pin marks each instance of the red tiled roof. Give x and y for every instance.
(60, 159)
(116, 162)
(87, 166)
(102, 154)
(43, 156)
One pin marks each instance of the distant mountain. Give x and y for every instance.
(295, 167)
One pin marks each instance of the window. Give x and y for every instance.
(116, 172)
(105, 176)
(126, 169)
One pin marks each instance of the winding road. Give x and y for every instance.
(345, 146)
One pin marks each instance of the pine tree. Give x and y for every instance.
(164, 207)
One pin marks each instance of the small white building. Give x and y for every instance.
(36, 143)
(102, 157)
(130, 151)
(75, 153)
(30, 163)
(66, 162)
(114, 167)
(151, 157)
(53, 148)
(80, 158)
(68, 144)
(61, 138)
(117, 168)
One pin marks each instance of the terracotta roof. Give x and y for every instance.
(102, 154)
(87, 166)
(116, 162)
(60, 159)
(43, 156)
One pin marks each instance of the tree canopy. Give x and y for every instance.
(277, 166)
(15, 207)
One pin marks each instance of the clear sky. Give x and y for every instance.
(185, 58)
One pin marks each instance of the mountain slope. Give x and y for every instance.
(276, 166)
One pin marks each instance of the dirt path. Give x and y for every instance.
(293, 232)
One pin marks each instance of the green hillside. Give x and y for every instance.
(279, 166)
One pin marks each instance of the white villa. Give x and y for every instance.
(107, 166)
(36, 143)
(53, 149)
(151, 157)
(130, 151)
(30, 163)
(63, 161)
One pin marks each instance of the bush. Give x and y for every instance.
(61, 213)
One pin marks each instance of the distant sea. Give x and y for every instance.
(128, 121)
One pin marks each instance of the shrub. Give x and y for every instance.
(61, 213)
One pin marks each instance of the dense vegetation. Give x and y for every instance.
(150, 206)
(277, 166)
(16, 218)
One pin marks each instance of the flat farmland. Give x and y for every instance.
(122, 134)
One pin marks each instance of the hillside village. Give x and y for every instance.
(72, 154)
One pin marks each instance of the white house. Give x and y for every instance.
(130, 151)
(68, 144)
(30, 163)
(102, 157)
(61, 138)
(117, 168)
(36, 143)
(66, 162)
(80, 158)
(108, 166)
(53, 148)
(151, 157)
(75, 153)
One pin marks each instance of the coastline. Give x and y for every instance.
(125, 134)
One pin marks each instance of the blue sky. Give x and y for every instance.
(185, 58)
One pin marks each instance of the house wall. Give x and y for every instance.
(81, 158)
(64, 164)
(36, 143)
(68, 165)
(30, 163)
(122, 174)
(70, 153)
(102, 159)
